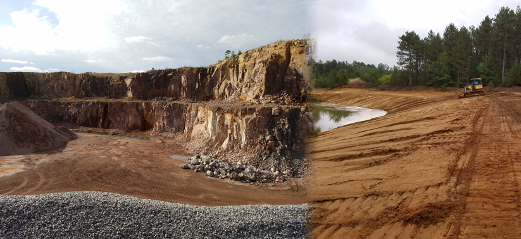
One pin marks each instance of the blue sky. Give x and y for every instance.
(368, 30)
(137, 35)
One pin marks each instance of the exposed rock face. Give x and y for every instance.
(280, 69)
(233, 105)
(23, 132)
(222, 127)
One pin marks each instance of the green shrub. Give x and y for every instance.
(385, 79)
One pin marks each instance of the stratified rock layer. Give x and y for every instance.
(281, 69)
(23, 132)
(251, 128)
(252, 103)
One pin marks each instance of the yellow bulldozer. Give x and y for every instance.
(475, 87)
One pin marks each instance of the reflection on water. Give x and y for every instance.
(333, 114)
(328, 116)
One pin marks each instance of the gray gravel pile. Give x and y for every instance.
(98, 214)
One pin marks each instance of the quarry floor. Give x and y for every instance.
(129, 166)
(434, 167)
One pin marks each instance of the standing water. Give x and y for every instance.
(328, 116)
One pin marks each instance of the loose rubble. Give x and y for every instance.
(238, 171)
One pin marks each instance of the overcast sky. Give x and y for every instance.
(368, 30)
(136, 35)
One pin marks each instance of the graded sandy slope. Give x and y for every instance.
(434, 167)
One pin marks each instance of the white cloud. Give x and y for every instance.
(236, 41)
(32, 69)
(157, 59)
(140, 39)
(422, 15)
(94, 61)
(369, 30)
(137, 39)
(73, 32)
(22, 37)
(121, 31)
(16, 61)
(137, 71)
(25, 68)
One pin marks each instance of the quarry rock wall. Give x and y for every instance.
(250, 128)
(251, 103)
(281, 69)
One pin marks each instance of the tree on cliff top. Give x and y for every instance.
(228, 54)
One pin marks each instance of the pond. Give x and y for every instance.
(328, 116)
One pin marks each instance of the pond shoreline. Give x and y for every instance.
(328, 116)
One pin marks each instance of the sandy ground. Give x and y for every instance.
(433, 167)
(140, 168)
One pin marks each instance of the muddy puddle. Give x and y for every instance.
(328, 116)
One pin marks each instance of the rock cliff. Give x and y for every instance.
(280, 69)
(223, 128)
(252, 104)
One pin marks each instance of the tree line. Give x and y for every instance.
(491, 51)
(331, 74)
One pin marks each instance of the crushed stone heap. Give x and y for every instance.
(24, 132)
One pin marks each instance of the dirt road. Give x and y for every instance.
(140, 168)
(433, 167)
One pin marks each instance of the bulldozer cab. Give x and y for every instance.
(475, 82)
(474, 87)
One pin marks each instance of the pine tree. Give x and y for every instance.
(484, 37)
(450, 37)
(516, 41)
(514, 75)
(408, 53)
(433, 47)
(442, 72)
(503, 29)
(488, 72)
(461, 53)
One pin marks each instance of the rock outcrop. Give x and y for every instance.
(251, 104)
(24, 132)
(222, 127)
(281, 69)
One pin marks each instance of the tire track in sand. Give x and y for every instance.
(492, 206)
(23, 184)
(39, 184)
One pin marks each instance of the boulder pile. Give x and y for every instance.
(237, 171)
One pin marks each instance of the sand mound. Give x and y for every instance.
(24, 132)
(356, 81)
